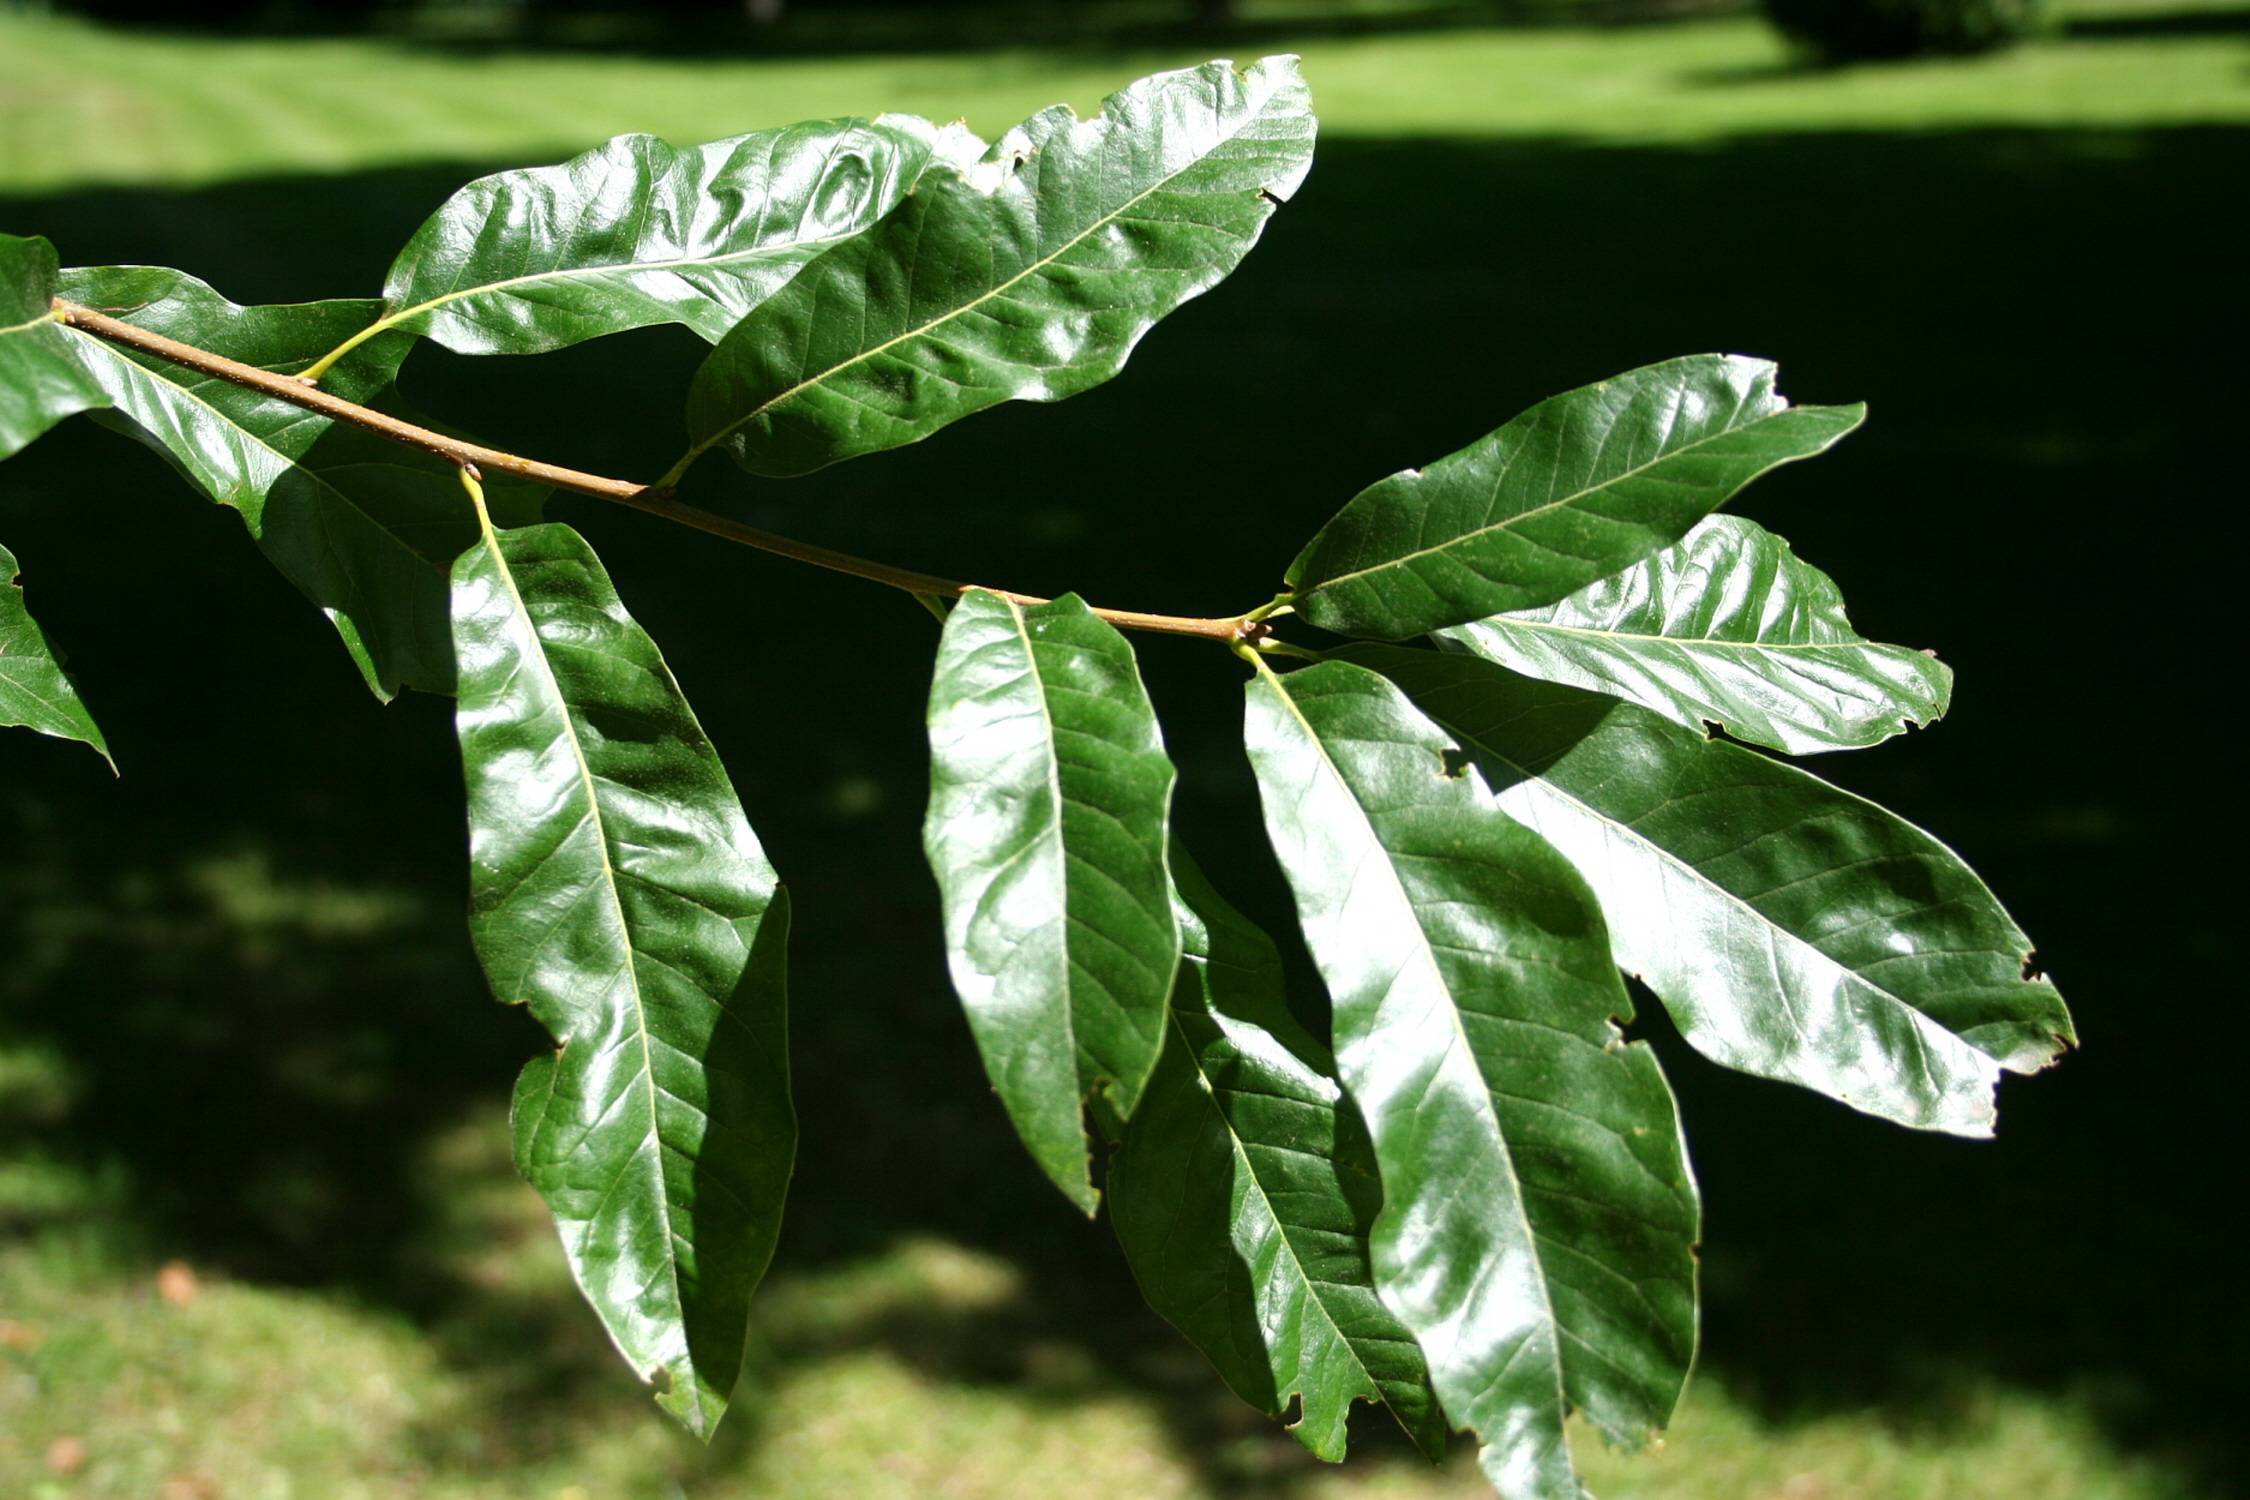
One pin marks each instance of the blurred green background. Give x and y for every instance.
(258, 1233)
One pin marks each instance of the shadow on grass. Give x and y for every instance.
(831, 30)
(1802, 61)
(2194, 21)
(2029, 315)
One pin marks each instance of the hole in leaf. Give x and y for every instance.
(1454, 762)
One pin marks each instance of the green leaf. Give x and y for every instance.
(35, 692)
(41, 380)
(1539, 1220)
(636, 233)
(615, 887)
(1576, 488)
(364, 527)
(1243, 1189)
(1726, 629)
(1050, 796)
(1793, 930)
(1029, 277)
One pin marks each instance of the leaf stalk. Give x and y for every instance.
(655, 500)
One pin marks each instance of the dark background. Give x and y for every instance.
(2045, 324)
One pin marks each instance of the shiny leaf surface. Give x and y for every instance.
(1028, 277)
(1539, 1219)
(1793, 930)
(1576, 488)
(1050, 800)
(41, 379)
(1243, 1190)
(35, 692)
(616, 889)
(364, 527)
(637, 232)
(1730, 629)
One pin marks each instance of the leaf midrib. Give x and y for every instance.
(631, 967)
(315, 475)
(564, 273)
(1055, 837)
(1281, 1226)
(1688, 642)
(1466, 537)
(1460, 1033)
(1922, 1021)
(14, 682)
(1227, 137)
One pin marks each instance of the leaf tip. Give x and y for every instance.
(689, 1402)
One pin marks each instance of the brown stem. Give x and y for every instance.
(623, 492)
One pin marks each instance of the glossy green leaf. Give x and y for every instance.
(636, 233)
(1576, 488)
(1028, 277)
(1539, 1220)
(41, 379)
(616, 889)
(1727, 629)
(1793, 930)
(1243, 1189)
(364, 527)
(1050, 796)
(35, 692)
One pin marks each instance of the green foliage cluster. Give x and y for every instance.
(1469, 1201)
(1846, 30)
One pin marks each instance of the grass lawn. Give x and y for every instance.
(241, 1035)
(79, 105)
(899, 1376)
